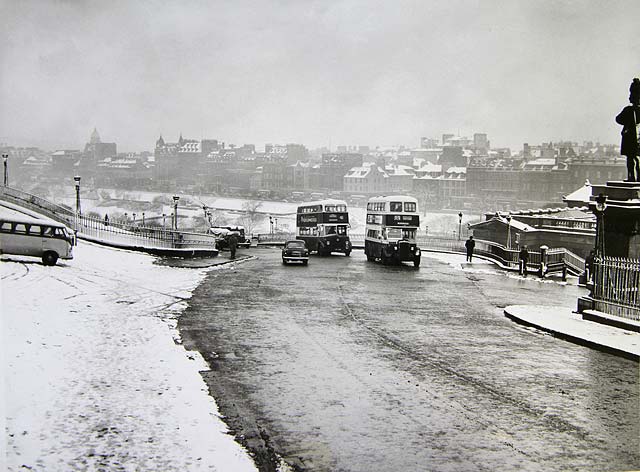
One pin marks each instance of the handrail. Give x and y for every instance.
(115, 233)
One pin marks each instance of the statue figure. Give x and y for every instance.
(629, 118)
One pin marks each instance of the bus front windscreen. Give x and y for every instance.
(401, 233)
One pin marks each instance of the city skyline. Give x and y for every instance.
(315, 73)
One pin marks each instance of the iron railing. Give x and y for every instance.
(616, 286)
(115, 233)
(143, 236)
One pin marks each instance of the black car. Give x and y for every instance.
(295, 250)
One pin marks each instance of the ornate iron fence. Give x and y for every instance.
(616, 286)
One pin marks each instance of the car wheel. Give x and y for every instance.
(416, 262)
(284, 262)
(49, 258)
(305, 262)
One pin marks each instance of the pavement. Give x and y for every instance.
(569, 325)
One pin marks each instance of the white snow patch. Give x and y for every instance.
(92, 376)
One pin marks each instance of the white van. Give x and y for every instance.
(26, 236)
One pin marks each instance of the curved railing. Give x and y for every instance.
(112, 233)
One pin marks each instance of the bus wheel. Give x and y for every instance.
(384, 258)
(49, 258)
(416, 262)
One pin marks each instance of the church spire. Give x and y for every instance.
(95, 137)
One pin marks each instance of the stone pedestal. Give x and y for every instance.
(621, 218)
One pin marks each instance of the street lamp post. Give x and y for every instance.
(5, 159)
(134, 219)
(175, 211)
(164, 216)
(143, 218)
(271, 224)
(508, 231)
(77, 180)
(459, 225)
(601, 206)
(276, 225)
(77, 216)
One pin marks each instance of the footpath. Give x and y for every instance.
(572, 326)
(593, 329)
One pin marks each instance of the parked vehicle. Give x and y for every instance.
(222, 234)
(324, 226)
(295, 251)
(27, 236)
(390, 232)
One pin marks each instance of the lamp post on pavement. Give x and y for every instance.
(77, 180)
(601, 206)
(78, 210)
(459, 225)
(175, 211)
(143, 218)
(5, 159)
(164, 216)
(508, 231)
(271, 224)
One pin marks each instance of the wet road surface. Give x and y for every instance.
(347, 365)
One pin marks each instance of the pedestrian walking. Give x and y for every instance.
(524, 260)
(470, 244)
(629, 118)
(233, 244)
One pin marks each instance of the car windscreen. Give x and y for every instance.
(296, 244)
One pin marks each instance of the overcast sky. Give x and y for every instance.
(320, 73)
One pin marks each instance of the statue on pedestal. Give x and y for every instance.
(629, 118)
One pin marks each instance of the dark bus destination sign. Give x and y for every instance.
(313, 219)
(402, 220)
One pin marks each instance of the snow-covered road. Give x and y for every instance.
(94, 375)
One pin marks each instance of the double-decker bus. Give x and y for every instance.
(324, 226)
(390, 233)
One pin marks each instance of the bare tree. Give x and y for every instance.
(251, 215)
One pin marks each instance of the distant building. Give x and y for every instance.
(96, 150)
(366, 179)
(452, 156)
(334, 167)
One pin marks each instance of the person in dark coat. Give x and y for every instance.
(629, 118)
(233, 244)
(470, 245)
(524, 260)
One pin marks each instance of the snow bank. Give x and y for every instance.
(93, 378)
